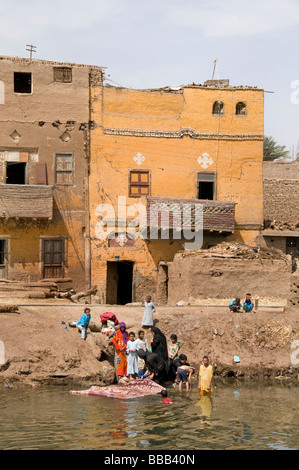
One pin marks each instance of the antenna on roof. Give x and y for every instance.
(215, 61)
(31, 49)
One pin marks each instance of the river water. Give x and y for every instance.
(238, 415)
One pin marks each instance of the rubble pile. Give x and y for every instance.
(237, 250)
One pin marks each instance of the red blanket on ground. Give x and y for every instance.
(133, 389)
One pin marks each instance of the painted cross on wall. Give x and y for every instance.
(139, 158)
(205, 160)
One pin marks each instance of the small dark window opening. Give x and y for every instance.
(2, 252)
(291, 242)
(22, 82)
(241, 108)
(218, 107)
(206, 186)
(15, 173)
(205, 190)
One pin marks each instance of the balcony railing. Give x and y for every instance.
(218, 216)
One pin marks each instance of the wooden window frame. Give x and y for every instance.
(65, 72)
(139, 184)
(71, 172)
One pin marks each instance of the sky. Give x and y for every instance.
(157, 43)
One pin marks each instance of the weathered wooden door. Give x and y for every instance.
(53, 258)
(3, 259)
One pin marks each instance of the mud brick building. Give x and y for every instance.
(44, 158)
(281, 208)
(195, 144)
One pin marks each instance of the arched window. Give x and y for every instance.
(2, 92)
(241, 108)
(218, 107)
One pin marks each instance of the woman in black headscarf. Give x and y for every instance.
(155, 365)
(159, 343)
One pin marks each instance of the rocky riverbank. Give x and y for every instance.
(41, 348)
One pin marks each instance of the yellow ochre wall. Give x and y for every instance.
(235, 143)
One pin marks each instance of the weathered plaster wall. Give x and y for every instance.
(192, 277)
(281, 193)
(53, 119)
(150, 123)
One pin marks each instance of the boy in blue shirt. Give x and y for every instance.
(83, 323)
(248, 304)
(235, 305)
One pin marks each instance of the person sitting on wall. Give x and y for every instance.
(248, 304)
(83, 322)
(235, 305)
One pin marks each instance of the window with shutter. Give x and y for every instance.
(63, 74)
(64, 168)
(40, 173)
(139, 184)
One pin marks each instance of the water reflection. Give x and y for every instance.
(236, 416)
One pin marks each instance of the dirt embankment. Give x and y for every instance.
(38, 349)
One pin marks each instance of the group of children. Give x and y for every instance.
(235, 304)
(132, 366)
(136, 366)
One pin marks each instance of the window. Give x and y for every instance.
(22, 82)
(15, 173)
(139, 183)
(218, 107)
(3, 259)
(241, 108)
(53, 255)
(206, 186)
(64, 168)
(63, 74)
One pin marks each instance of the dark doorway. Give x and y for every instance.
(3, 259)
(15, 173)
(119, 289)
(162, 288)
(292, 248)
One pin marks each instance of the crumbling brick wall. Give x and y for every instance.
(281, 194)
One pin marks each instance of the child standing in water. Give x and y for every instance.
(132, 348)
(148, 315)
(182, 376)
(205, 377)
(142, 345)
(173, 348)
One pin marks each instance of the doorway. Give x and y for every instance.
(292, 248)
(119, 288)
